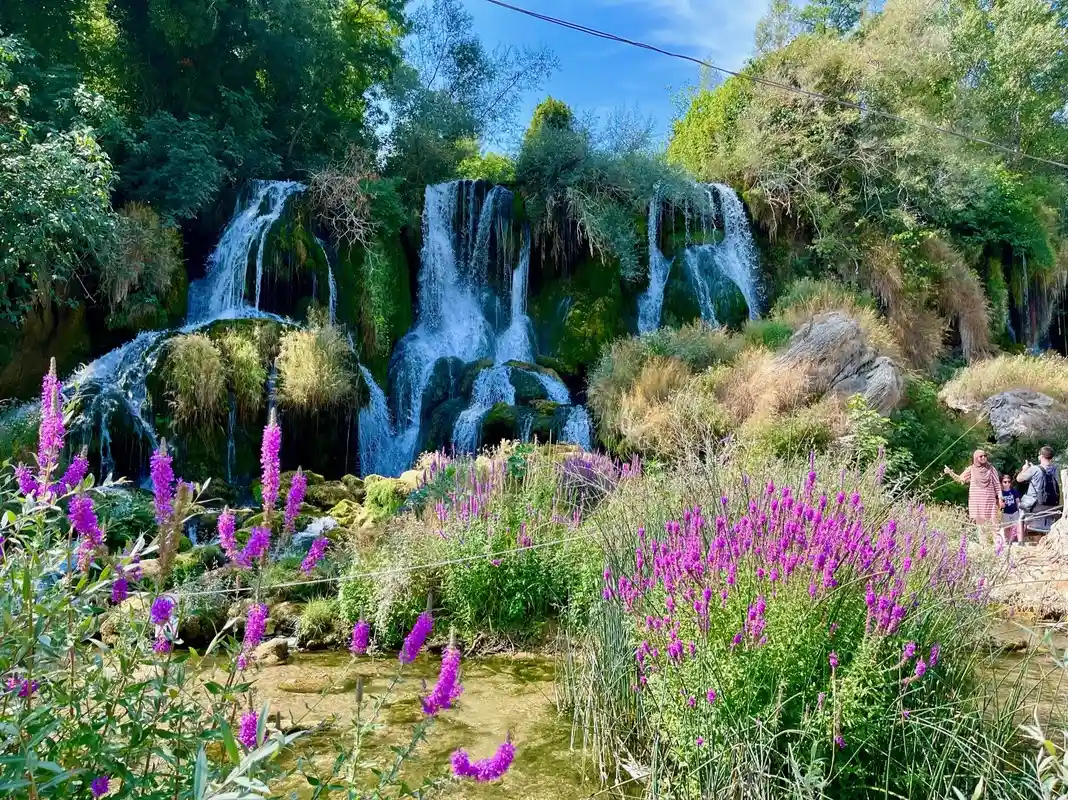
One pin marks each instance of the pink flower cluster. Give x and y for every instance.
(448, 687)
(315, 554)
(270, 450)
(488, 769)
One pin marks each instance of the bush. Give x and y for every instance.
(471, 547)
(146, 261)
(787, 661)
(247, 372)
(195, 377)
(384, 497)
(973, 385)
(315, 370)
(768, 333)
(319, 622)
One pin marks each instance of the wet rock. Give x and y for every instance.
(834, 352)
(272, 652)
(501, 422)
(468, 381)
(445, 383)
(437, 431)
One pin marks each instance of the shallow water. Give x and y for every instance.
(1029, 658)
(501, 695)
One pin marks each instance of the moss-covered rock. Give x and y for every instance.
(437, 430)
(328, 494)
(502, 422)
(54, 331)
(527, 386)
(445, 383)
(385, 496)
(577, 316)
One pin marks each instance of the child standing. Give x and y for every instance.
(1010, 510)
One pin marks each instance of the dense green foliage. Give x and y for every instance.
(938, 229)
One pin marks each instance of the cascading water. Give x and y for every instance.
(330, 282)
(118, 378)
(651, 301)
(493, 385)
(577, 428)
(378, 441)
(710, 266)
(517, 342)
(450, 322)
(222, 289)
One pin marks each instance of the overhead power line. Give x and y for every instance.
(824, 98)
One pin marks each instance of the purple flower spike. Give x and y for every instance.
(120, 589)
(82, 518)
(259, 542)
(448, 688)
(315, 554)
(51, 431)
(294, 499)
(163, 484)
(921, 668)
(489, 769)
(270, 449)
(415, 640)
(75, 474)
(246, 733)
(908, 652)
(832, 659)
(27, 483)
(227, 524)
(361, 635)
(99, 786)
(255, 625)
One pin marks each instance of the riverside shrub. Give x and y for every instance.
(775, 638)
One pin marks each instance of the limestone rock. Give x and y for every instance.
(411, 479)
(834, 352)
(444, 383)
(284, 617)
(1022, 413)
(150, 570)
(272, 652)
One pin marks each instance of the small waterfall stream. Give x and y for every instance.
(118, 378)
(712, 267)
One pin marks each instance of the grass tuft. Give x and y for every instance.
(195, 377)
(315, 369)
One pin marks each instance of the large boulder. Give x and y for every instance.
(835, 354)
(446, 379)
(1024, 414)
(272, 652)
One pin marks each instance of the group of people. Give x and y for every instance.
(995, 503)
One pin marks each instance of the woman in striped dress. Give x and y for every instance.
(984, 494)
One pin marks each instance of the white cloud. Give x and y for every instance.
(720, 30)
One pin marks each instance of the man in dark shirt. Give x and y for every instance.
(1043, 490)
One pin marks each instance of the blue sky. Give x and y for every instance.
(598, 76)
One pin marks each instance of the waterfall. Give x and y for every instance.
(449, 320)
(736, 255)
(493, 385)
(222, 289)
(710, 266)
(577, 428)
(378, 444)
(330, 282)
(651, 302)
(517, 342)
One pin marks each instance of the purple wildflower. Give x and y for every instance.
(27, 483)
(99, 786)
(83, 519)
(162, 607)
(23, 688)
(700, 741)
(163, 484)
(489, 769)
(415, 640)
(832, 659)
(75, 474)
(710, 695)
(361, 634)
(294, 499)
(448, 688)
(315, 553)
(226, 525)
(921, 668)
(269, 461)
(259, 542)
(162, 645)
(247, 733)
(120, 589)
(908, 652)
(255, 624)
(840, 742)
(51, 432)
(936, 650)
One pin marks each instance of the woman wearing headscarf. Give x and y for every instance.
(984, 492)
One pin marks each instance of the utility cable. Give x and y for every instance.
(820, 96)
